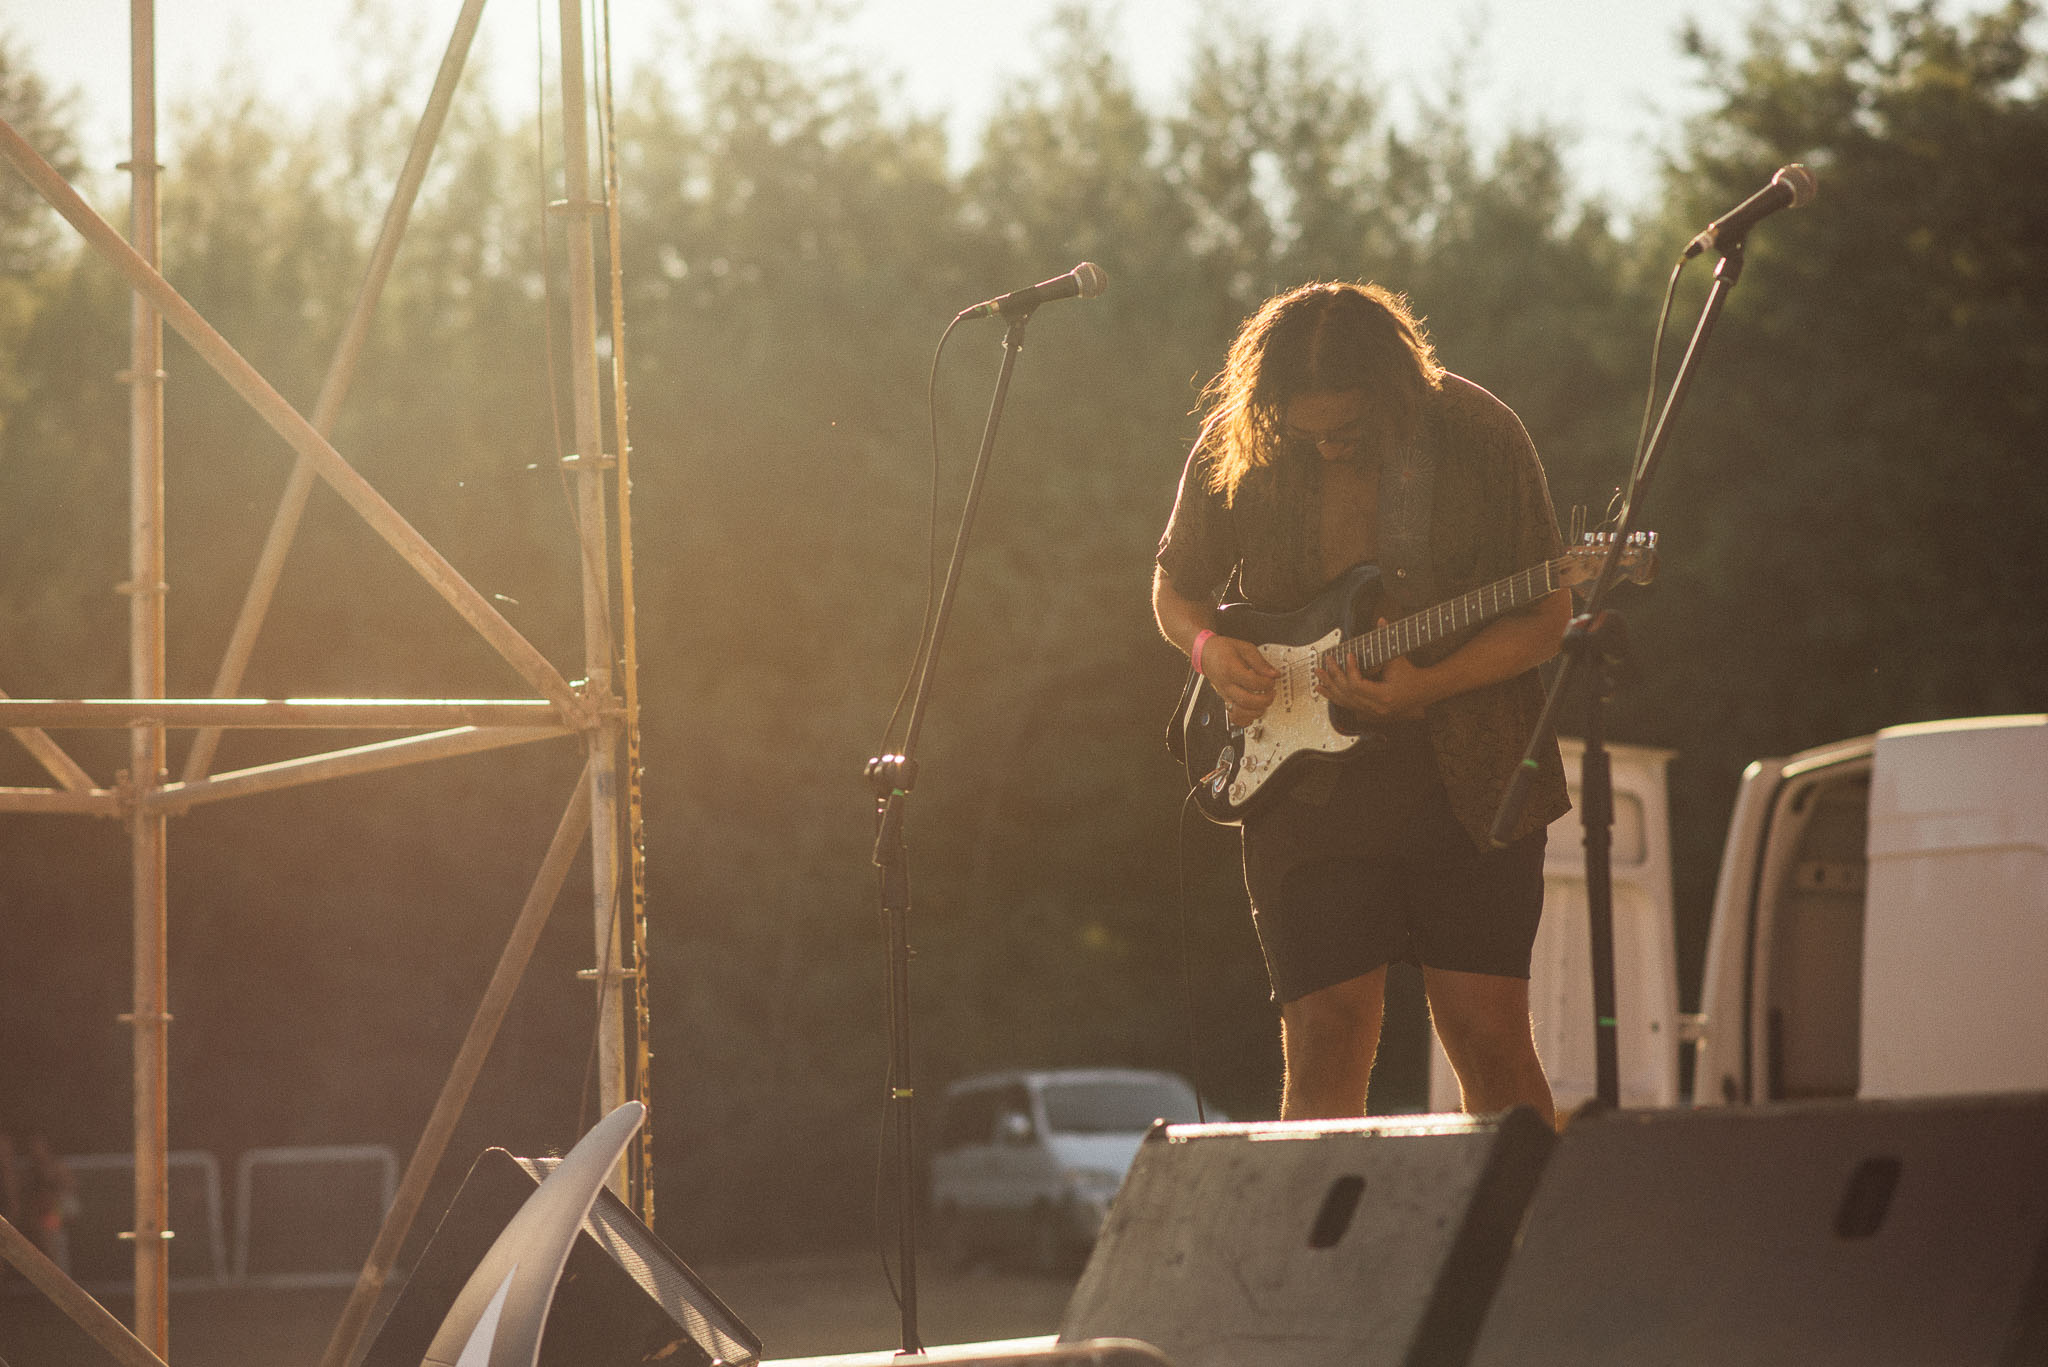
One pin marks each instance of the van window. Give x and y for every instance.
(971, 1115)
(1116, 1107)
(1813, 1022)
(969, 1118)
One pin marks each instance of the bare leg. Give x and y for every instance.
(1328, 1040)
(1483, 1021)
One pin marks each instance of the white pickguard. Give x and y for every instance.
(1298, 720)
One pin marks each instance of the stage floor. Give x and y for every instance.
(810, 1306)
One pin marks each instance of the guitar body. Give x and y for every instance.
(1232, 769)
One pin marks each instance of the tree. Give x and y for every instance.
(1854, 501)
(792, 251)
(55, 349)
(31, 239)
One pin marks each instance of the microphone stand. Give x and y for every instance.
(1597, 640)
(892, 777)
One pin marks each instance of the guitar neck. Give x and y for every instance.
(1374, 648)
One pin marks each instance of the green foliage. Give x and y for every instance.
(1862, 449)
(60, 344)
(1916, 273)
(1854, 502)
(29, 236)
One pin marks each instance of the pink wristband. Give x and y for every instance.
(1195, 654)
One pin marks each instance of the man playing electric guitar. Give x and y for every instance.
(1333, 437)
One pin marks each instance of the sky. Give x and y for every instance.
(1608, 72)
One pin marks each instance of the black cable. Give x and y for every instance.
(1635, 466)
(1187, 962)
(931, 553)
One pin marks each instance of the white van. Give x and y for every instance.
(1027, 1161)
(1879, 926)
(1881, 920)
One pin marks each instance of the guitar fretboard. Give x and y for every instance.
(1374, 648)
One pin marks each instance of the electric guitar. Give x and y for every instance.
(1234, 770)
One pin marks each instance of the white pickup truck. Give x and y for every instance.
(1880, 927)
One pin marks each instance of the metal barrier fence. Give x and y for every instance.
(303, 1216)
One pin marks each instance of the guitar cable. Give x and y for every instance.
(1187, 960)
(1617, 508)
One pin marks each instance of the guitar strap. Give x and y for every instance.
(1407, 484)
(1407, 575)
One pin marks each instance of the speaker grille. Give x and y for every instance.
(1305, 1244)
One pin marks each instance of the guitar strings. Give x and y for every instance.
(1374, 648)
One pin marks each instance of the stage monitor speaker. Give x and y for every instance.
(1086, 1353)
(624, 1298)
(1806, 1234)
(1309, 1243)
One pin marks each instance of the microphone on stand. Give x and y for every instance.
(1793, 186)
(1086, 281)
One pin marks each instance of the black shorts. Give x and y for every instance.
(1378, 870)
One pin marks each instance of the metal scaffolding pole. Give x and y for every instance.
(88, 1314)
(51, 756)
(641, 1157)
(284, 714)
(589, 463)
(149, 1017)
(145, 797)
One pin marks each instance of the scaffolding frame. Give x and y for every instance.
(600, 711)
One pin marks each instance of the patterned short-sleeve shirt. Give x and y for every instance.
(1490, 516)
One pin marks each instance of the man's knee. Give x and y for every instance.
(1335, 1026)
(1339, 1011)
(1484, 1024)
(1480, 1018)
(1329, 1039)
(1480, 1037)
(1342, 1007)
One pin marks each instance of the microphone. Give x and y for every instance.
(1793, 186)
(1086, 280)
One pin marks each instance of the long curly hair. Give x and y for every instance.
(1318, 337)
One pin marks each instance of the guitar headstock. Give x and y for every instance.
(1638, 563)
